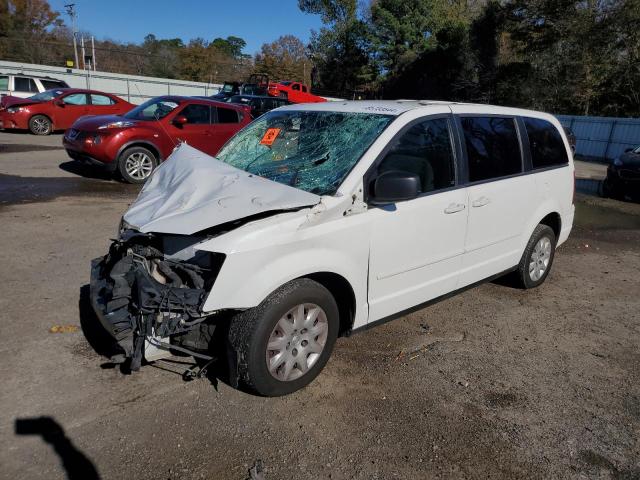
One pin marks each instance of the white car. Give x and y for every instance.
(25, 86)
(319, 220)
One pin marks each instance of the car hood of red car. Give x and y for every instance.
(93, 122)
(192, 191)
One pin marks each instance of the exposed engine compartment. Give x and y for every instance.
(152, 286)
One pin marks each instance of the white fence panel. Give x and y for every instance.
(133, 88)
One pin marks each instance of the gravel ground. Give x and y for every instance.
(492, 383)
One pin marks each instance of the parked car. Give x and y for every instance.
(320, 220)
(623, 176)
(57, 109)
(571, 137)
(136, 142)
(229, 89)
(295, 92)
(24, 86)
(259, 104)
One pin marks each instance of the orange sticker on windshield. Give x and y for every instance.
(270, 136)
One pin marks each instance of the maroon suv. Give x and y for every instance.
(134, 143)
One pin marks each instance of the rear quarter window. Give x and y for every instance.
(4, 82)
(545, 142)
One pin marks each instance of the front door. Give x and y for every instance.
(73, 107)
(196, 132)
(417, 245)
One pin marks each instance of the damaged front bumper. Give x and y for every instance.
(140, 295)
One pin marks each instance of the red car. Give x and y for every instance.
(136, 142)
(57, 109)
(295, 92)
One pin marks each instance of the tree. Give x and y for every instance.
(25, 24)
(284, 59)
(340, 51)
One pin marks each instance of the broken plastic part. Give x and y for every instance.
(138, 293)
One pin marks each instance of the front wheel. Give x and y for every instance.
(40, 125)
(284, 343)
(537, 258)
(136, 164)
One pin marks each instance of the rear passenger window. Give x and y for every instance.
(493, 148)
(196, 113)
(75, 99)
(226, 115)
(426, 150)
(22, 84)
(101, 100)
(545, 142)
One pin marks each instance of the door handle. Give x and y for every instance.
(454, 208)
(481, 202)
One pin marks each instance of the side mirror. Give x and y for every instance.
(58, 102)
(180, 120)
(395, 186)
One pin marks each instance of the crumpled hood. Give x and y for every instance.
(8, 101)
(192, 191)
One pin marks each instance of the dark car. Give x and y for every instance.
(571, 137)
(229, 89)
(57, 109)
(135, 143)
(259, 104)
(623, 176)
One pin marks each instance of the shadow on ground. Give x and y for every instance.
(76, 464)
(88, 171)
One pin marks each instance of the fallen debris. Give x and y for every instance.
(257, 471)
(64, 329)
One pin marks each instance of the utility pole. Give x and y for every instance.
(71, 11)
(93, 53)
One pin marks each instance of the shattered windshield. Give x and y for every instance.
(312, 151)
(46, 95)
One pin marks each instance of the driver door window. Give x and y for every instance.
(425, 150)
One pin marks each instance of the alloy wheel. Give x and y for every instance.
(138, 165)
(40, 126)
(297, 341)
(540, 258)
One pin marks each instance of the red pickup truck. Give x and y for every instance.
(295, 92)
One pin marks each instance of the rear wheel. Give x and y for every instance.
(286, 341)
(136, 164)
(40, 125)
(537, 257)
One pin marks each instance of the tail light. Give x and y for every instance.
(573, 197)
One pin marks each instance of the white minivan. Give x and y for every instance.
(319, 220)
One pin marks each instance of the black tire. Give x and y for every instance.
(127, 174)
(523, 275)
(40, 125)
(612, 189)
(250, 331)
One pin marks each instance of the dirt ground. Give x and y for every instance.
(493, 383)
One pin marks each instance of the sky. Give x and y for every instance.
(256, 21)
